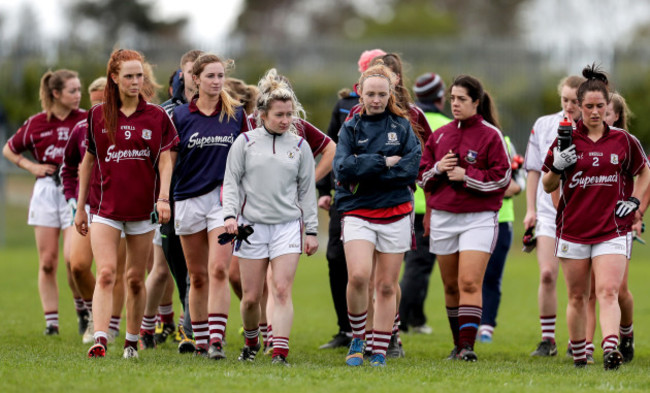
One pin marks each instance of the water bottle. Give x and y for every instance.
(564, 134)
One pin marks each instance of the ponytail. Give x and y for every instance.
(51, 81)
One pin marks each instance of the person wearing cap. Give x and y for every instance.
(338, 273)
(429, 91)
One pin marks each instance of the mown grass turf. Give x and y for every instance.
(31, 362)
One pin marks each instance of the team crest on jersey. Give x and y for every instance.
(471, 156)
(565, 247)
(614, 159)
(291, 155)
(146, 134)
(392, 138)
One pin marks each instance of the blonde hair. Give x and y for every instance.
(621, 109)
(229, 104)
(51, 81)
(246, 94)
(97, 85)
(274, 87)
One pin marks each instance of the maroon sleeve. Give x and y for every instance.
(169, 135)
(246, 124)
(316, 139)
(638, 158)
(71, 160)
(496, 177)
(19, 142)
(427, 176)
(418, 117)
(91, 148)
(548, 161)
(355, 109)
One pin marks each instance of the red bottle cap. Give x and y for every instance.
(566, 122)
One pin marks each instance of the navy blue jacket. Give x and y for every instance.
(363, 181)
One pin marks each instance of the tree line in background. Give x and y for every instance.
(316, 44)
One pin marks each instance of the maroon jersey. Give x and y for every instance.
(482, 152)
(45, 139)
(74, 154)
(316, 139)
(127, 170)
(602, 176)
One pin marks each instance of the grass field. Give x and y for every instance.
(31, 362)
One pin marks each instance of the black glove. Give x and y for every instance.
(624, 208)
(529, 240)
(243, 232)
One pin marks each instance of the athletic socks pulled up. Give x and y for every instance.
(52, 318)
(380, 341)
(217, 325)
(166, 313)
(131, 340)
(579, 351)
(452, 316)
(281, 346)
(358, 324)
(148, 325)
(252, 337)
(201, 333)
(627, 330)
(609, 343)
(469, 317)
(548, 327)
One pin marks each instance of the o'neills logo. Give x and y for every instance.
(215, 140)
(587, 181)
(53, 152)
(118, 155)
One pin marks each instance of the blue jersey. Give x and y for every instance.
(203, 149)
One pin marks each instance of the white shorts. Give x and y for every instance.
(127, 227)
(393, 238)
(48, 207)
(271, 240)
(621, 245)
(196, 214)
(455, 232)
(545, 227)
(157, 237)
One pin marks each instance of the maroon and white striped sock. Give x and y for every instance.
(148, 325)
(264, 329)
(88, 304)
(469, 317)
(589, 348)
(380, 342)
(114, 324)
(79, 304)
(131, 340)
(626, 330)
(396, 324)
(358, 324)
(548, 327)
(166, 313)
(609, 343)
(52, 318)
(270, 334)
(201, 333)
(370, 340)
(252, 337)
(217, 324)
(452, 316)
(579, 350)
(281, 346)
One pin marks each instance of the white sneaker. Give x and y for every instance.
(422, 329)
(130, 353)
(88, 337)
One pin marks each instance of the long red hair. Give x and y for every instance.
(112, 101)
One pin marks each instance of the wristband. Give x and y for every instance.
(555, 170)
(225, 218)
(311, 234)
(163, 200)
